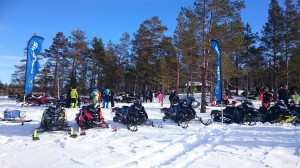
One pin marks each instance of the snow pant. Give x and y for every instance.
(112, 103)
(74, 103)
(105, 104)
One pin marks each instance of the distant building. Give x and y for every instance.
(195, 86)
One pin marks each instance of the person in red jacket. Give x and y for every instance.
(267, 97)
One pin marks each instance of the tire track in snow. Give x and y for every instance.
(134, 161)
(204, 143)
(180, 152)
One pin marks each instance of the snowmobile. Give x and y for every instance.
(295, 111)
(128, 98)
(89, 117)
(251, 114)
(85, 99)
(278, 113)
(37, 100)
(183, 112)
(131, 115)
(54, 118)
(63, 101)
(245, 112)
(293, 107)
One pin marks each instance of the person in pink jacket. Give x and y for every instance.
(160, 97)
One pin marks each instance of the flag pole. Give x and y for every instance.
(217, 50)
(26, 69)
(34, 47)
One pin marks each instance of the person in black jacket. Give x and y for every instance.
(171, 97)
(69, 98)
(112, 96)
(174, 99)
(283, 94)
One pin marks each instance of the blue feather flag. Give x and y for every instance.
(32, 65)
(216, 48)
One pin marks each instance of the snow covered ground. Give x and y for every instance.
(215, 145)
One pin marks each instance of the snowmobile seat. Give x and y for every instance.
(124, 110)
(230, 109)
(90, 108)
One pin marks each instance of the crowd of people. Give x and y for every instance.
(106, 97)
(284, 94)
(96, 97)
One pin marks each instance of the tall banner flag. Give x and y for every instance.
(216, 47)
(32, 66)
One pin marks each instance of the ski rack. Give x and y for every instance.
(17, 119)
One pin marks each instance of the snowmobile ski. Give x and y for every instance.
(132, 128)
(36, 132)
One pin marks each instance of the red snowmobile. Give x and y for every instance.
(37, 100)
(90, 117)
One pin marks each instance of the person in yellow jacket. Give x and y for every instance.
(74, 97)
(95, 97)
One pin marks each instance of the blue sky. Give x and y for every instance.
(106, 19)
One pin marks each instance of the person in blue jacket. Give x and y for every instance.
(106, 97)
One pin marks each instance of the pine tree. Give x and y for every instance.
(272, 41)
(185, 39)
(210, 19)
(291, 32)
(167, 61)
(145, 48)
(252, 56)
(56, 56)
(96, 68)
(79, 55)
(125, 79)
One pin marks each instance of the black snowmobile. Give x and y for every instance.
(295, 111)
(251, 114)
(183, 112)
(245, 112)
(278, 113)
(90, 117)
(131, 115)
(54, 118)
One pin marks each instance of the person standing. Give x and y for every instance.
(69, 98)
(266, 98)
(94, 96)
(144, 94)
(283, 94)
(150, 96)
(160, 97)
(293, 95)
(171, 96)
(112, 101)
(106, 95)
(74, 97)
(175, 98)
